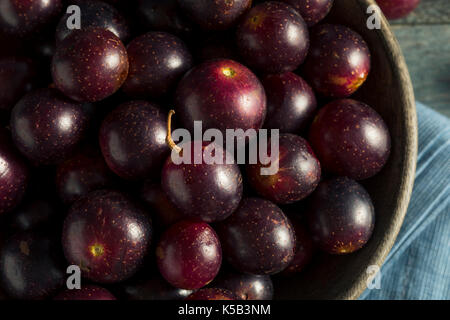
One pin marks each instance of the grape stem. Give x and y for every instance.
(169, 139)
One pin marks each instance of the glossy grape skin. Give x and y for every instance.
(46, 126)
(215, 15)
(133, 140)
(87, 292)
(17, 77)
(396, 9)
(209, 192)
(14, 174)
(90, 65)
(23, 17)
(304, 248)
(165, 212)
(298, 174)
(189, 254)
(246, 286)
(350, 139)
(273, 38)
(96, 14)
(341, 216)
(30, 266)
(163, 15)
(291, 102)
(339, 61)
(155, 288)
(212, 294)
(107, 235)
(222, 94)
(312, 11)
(81, 174)
(157, 62)
(258, 238)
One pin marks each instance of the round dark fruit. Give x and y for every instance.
(81, 174)
(339, 61)
(291, 102)
(16, 78)
(246, 286)
(304, 248)
(212, 294)
(396, 9)
(350, 139)
(312, 11)
(155, 288)
(297, 176)
(223, 94)
(95, 14)
(157, 62)
(107, 236)
(215, 15)
(90, 65)
(189, 254)
(165, 212)
(273, 38)
(14, 174)
(341, 216)
(209, 192)
(46, 126)
(163, 15)
(30, 267)
(88, 292)
(132, 140)
(23, 17)
(258, 238)
(34, 214)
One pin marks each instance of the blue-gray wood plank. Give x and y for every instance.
(425, 40)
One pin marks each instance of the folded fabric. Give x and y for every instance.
(418, 266)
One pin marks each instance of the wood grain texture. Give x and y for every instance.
(389, 91)
(427, 52)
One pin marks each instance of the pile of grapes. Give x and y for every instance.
(87, 176)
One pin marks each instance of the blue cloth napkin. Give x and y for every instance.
(418, 266)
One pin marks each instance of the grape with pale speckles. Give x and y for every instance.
(312, 11)
(212, 294)
(14, 174)
(189, 254)
(46, 126)
(107, 235)
(246, 286)
(341, 216)
(258, 238)
(90, 65)
(291, 102)
(215, 14)
(339, 61)
(31, 266)
(133, 140)
(223, 94)
(209, 192)
(87, 292)
(95, 14)
(350, 139)
(81, 174)
(297, 176)
(273, 38)
(157, 61)
(396, 9)
(24, 17)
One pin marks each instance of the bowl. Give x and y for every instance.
(388, 90)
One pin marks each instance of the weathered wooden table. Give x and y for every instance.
(425, 39)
